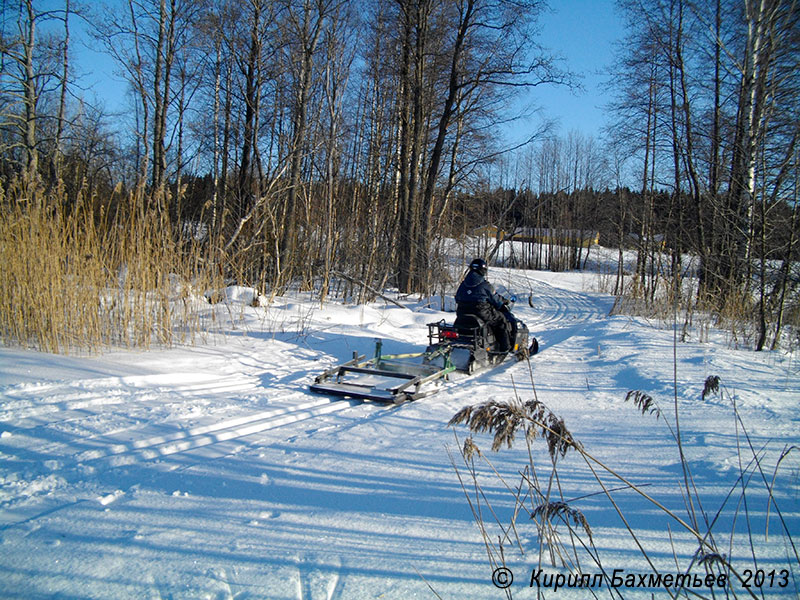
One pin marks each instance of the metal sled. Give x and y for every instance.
(389, 379)
(465, 346)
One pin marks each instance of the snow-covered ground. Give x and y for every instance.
(212, 472)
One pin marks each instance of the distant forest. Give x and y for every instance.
(283, 142)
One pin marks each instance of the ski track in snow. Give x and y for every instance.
(66, 435)
(214, 473)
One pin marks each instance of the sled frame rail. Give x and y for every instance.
(388, 368)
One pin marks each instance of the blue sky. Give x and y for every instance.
(583, 32)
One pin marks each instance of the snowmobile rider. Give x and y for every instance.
(476, 297)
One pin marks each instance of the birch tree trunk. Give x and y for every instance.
(28, 35)
(62, 102)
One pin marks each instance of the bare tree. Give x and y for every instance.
(304, 26)
(766, 22)
(22, 83)
(454, 57)
(146, 44)
(62, 104)
(415, 22)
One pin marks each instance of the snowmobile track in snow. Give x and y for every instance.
(204, 435)
(116, 421)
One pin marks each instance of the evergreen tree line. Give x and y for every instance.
(298, 139)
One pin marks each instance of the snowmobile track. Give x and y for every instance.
(75, 398)
(155, 447)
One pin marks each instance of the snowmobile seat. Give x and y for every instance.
(473, 330)
(468, 325)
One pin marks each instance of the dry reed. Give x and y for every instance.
(505, 419)
(543, 499)
(98, 273)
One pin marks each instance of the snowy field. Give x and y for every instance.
(212, 472)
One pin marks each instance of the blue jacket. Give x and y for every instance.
(475, 290)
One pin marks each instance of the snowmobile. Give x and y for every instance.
(467, 346)
(472, 343)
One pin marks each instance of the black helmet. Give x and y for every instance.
(479, 266)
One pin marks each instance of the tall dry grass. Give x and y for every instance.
(100, 272)
(672, 296)
(722, 536)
